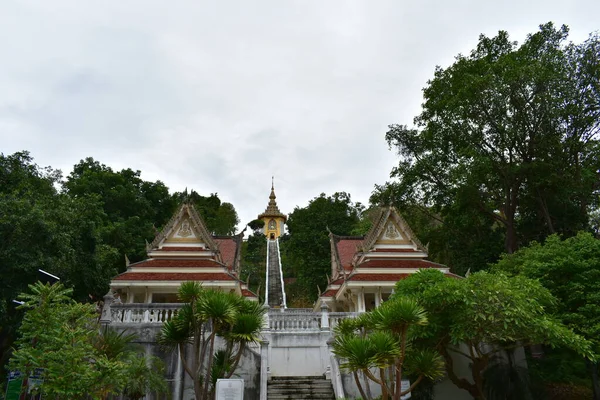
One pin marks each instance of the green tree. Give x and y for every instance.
(131, 207)
(483, 318)
(205, 315)
(41, 228)
(570, 269)
(511, 130)
(457, 235)
(220, 218)
(62, 337)
(254, 258)
(382, 340)
(307, 247)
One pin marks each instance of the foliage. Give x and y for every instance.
(220, 218)
(131, 206)
(570, 270)
(62, 337)
(307, 248)
(457, 235)
(484, 316)
(381, 339)
(254, 255)
(508, 132)
(206, 315)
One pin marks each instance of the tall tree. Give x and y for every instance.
(513, 130)
(220, 217)
(307, 246)
(62, 338)
(133, 208)
(483, 318)
(570, 269)
(206, 315)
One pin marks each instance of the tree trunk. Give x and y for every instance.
(593, 368)
(358, 385)
(510, 243)
(367, 387)
(459, 382)
(384, 388)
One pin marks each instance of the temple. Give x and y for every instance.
(365, 269)
(294, 357)
(183, 251)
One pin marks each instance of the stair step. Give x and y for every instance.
(302, 382)
(300, 396)
(300, 377)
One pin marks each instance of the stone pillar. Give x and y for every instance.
(378, 297)
(324, 317)
(105, 316)
(264, 365)
(361, 300)
(334, 371)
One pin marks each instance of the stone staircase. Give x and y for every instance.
(299, 387)
(275, 290)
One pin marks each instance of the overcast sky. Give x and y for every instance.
(218, 96)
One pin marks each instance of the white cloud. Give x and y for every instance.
(219, 96)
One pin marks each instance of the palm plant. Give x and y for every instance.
(382, 339)
(206, 315)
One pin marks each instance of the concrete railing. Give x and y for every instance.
(143, 313)
(278, 320)
(293, 320)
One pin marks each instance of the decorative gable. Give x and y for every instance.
(390, 231)
(186, 228)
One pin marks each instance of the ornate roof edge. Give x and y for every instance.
(377, 228)
(197, 223)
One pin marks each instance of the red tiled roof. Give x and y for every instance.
(330, 293)
(175, 263)
(391, 263)
(247, 293)
(227, 246)
(168, 276)
(377, 277)
(338, 281)
(389, 250)
(346, 249)
(180, 248)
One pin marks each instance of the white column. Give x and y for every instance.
(129, 295)
(378, 297)
(361, 300)
(264, 365)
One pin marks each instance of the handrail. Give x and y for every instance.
(281, 274)
(267, 277)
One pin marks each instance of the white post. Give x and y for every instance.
(106, 316)
(264, 365)
(361, 300)
(324, 317)
(378, 297)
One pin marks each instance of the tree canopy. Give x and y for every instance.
(61, 338)
(570, 270)
(307, 249)
(484, 316)
(80, 228)
(508, 134)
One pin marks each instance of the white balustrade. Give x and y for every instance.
(290, 319)
(303, 320)
(143, 313)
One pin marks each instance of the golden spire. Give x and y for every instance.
(272, 209)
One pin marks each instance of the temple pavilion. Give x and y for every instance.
(183, 251)
(365, 269)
